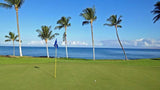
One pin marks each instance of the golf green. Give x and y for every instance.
(74, 74)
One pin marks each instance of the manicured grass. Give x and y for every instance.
(38, 74)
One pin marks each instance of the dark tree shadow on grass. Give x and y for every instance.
(44, 72)
(155, 59)
(36, 67)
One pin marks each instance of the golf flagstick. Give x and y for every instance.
(56, 46)
(55, 62)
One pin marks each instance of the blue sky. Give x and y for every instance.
(138, 28)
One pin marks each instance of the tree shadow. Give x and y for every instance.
(45, 72)
(36, 67)
(156, 59)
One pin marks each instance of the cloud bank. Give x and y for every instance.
(138, 43)
(75, 43)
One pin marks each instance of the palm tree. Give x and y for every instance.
(64, 23)
(46, 34)
(89, 16)
(17, 4)
(12, 37)
(156, 11)
(115, 22)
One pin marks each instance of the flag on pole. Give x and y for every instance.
(55, 44)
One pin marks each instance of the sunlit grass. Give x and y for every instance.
(29, 73)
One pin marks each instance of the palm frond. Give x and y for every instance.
(119, 20)
(53, 36)
(15, 37)
(39, 31)
(5, 5)
(18, 41)
(94, 18)
(45, 33)
(58, 27)
(69, 25)
(119, 26)
(63, 22)
(85, 15)
(7, 40)
(156, 18)
(19, 3)
(60, 21)
(68, 18)
(85, 22)
(114, 21)
(156, 11)
(157, 4)
(7, 36)
(49, 27)
(108, 24)
(56, 34)
(10, 2)
(89, 14)
(11, 36)
(49, 34)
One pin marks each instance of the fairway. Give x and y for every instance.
(38, 74)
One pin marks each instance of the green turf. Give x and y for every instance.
(38, 74)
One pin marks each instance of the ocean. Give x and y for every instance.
(84, 53)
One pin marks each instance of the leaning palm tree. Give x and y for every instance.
(64, 23)
(89, 16)
(12, 37)
(17, 4)
(156, 11)
(46, 34)
(115, 22)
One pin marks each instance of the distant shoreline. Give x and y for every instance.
(10, 56)
(87, 47)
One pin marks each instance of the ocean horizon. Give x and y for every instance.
(84, 52)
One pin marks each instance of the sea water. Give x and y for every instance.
(84, 53)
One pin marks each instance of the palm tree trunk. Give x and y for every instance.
(66, 42)
(13, 49)
(20, 50)
(120, 43)
(92, 42)
(47, 50)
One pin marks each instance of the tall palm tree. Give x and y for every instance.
(17, 4)
(64, 23)
(89, 16)
(115, 22)
(156, 11)
(46, 34)
(12, 37)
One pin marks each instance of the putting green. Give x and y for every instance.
(38, 74)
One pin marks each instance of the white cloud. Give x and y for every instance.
(147, 42)
(36, 43)
(60, 43)
(8, 43)
(74, 43)
(138, 43)
(132, 43)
